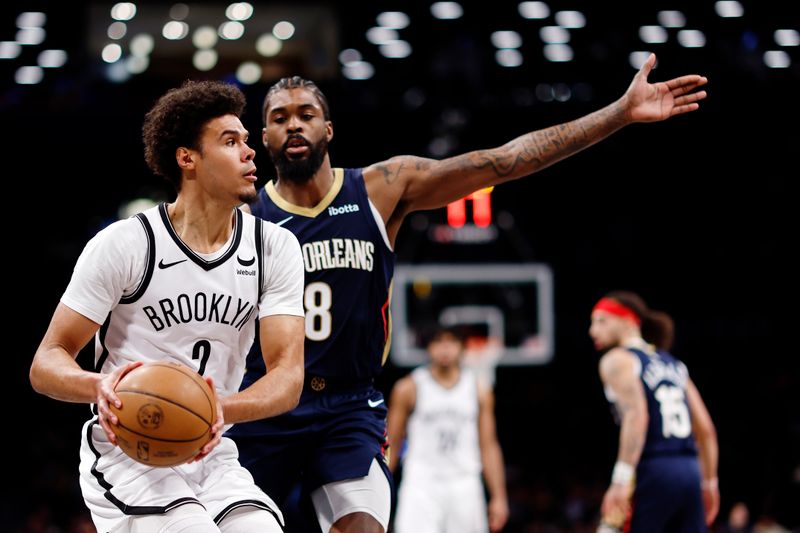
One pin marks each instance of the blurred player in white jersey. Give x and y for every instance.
(447, 418)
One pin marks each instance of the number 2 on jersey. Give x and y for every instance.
(317, 300)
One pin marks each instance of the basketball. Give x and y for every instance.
(167, 413)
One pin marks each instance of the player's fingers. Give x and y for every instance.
(686, 83)
(690, 98)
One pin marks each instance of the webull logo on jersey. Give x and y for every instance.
(338, 253)
(346, 208)
(213, 307)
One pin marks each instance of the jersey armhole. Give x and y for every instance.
(381, 226)
(150, 263)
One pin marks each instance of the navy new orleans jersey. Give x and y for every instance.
(670, 425)
(667, 492)
(348, 271)
(338, 429)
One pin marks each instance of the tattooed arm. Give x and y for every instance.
(619, 370)
(406, 183)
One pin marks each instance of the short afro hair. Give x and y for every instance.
(177, 119)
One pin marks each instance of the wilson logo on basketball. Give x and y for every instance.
(150, 416)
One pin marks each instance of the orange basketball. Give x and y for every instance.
(167, 413)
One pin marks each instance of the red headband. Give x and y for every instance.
(613, 307)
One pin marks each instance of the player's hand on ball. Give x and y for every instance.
(107, 396)
(216, 429)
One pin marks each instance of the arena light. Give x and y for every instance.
(248, 72)
(534, 10)
(28, 75)
(379, 35)
(508, 57)
(111, 53)
(570, 19)
(142, 44)
(671, 19)
(9, 49)
(204, 60)
(787, 37)
(239, 11)
(777, 59)
(358, 70)
(175, 30)
(395, 49)
(136, 65)
(179, 12)
(117, 30)
(691, 38)
(349, 55)
(204, 37)
(653, 34)
(31, 36)
(506, 39)
(52, 58)
(283, 30)
(231, 30)
(396, 20)
(268, 45)
(729, 9)
(123, 11)
(636, 59)
(558, 53)
(31, 19)
(447, 10)
(554, 35)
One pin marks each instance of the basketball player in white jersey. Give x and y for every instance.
(182, 282)
(448, 420)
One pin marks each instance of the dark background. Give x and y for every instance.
(697, 214)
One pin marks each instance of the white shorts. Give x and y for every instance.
(441, 506)
(115, 487)
(370, 494)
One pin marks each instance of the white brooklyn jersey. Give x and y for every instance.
(158, 300)
(443, 428)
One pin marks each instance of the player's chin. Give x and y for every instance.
(248, 195)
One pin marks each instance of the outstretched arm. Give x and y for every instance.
(708, 450)
(407, 183)
(618, 370)
(492, 461)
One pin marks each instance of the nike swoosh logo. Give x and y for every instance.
(162, 264)
(375, 404)
(246, 262)
(284, 221)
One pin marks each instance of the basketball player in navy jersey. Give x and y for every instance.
(182, 282)
(346, 221)
(665, 477)
(447, 418)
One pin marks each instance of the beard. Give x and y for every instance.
(302, 169)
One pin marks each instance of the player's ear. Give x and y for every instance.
(329, 129)
(185, 158)
(264, 139)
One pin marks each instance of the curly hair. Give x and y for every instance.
(658, 328)
(177, 119)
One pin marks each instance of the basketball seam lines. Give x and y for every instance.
(171, 366)
(143, 393)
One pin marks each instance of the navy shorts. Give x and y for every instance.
(668, 496)
(330, 436)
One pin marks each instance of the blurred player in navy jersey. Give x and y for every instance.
(347, 221)
(665, 477)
